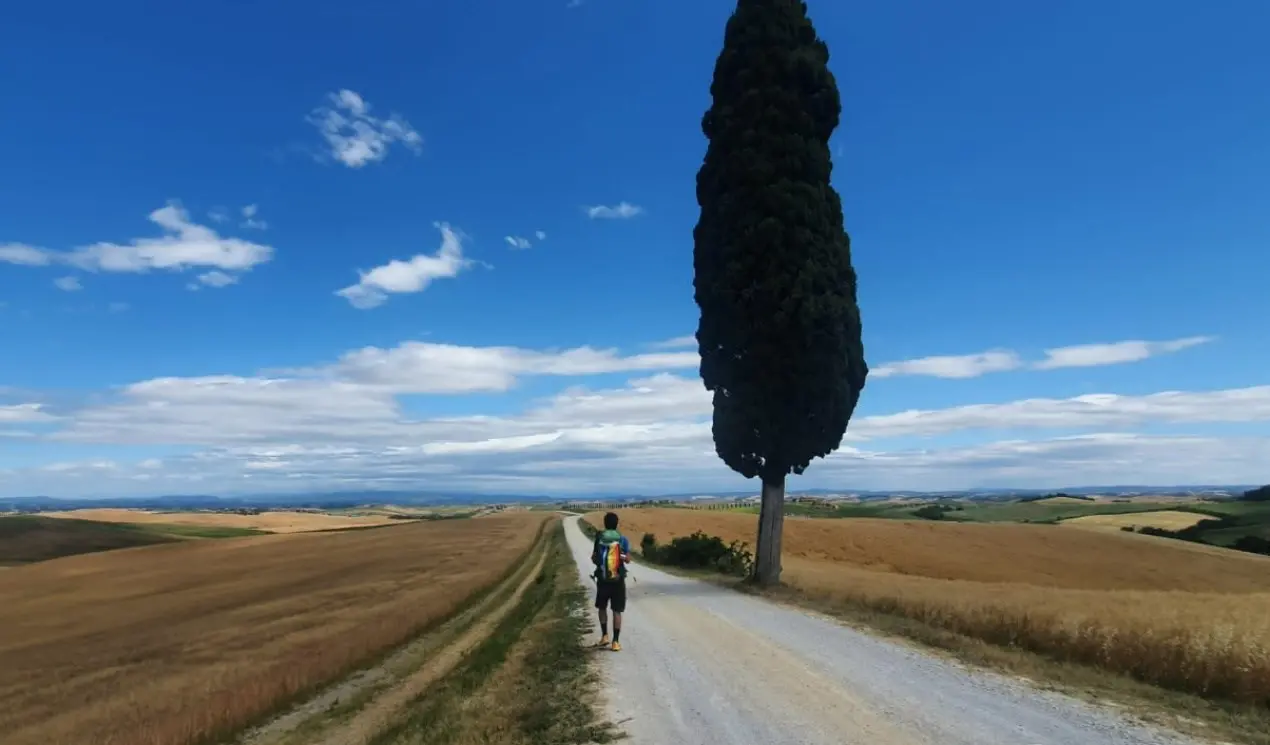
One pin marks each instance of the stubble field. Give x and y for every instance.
(169, 644)
(1178, 615)
(1164, 519)
(273, 522)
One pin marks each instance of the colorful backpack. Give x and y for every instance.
(608, 557)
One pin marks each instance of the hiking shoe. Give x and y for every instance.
(604, 641)
(617, 646)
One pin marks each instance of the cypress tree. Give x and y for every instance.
(779, 331)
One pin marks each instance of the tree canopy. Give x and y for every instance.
(779, 331)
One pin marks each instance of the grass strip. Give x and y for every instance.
(529, 683)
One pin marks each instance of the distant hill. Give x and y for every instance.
(342, 499)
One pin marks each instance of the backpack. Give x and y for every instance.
(607, 556)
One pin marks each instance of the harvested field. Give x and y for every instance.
(1191, 618)
(1165, 519)
(273, 522)
(166, 645)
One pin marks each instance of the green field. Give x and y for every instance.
(25, 539)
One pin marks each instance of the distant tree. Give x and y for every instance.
(779, 332)
(1260, 494)
(930, 512)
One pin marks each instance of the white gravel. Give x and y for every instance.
(703, 665)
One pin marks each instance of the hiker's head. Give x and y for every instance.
(610, 521)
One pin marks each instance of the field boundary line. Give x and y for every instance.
(335, 703)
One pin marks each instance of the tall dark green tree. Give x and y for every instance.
(779, 332)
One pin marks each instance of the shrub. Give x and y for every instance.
(700, 551)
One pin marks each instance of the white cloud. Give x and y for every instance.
(540, 235)
(250, 219)
(355, 137)
(184, 245)
(1101, 410)
(346, 424)
(24, 255)
(24, 413)
(951, 366)
(414, 275)
(516, 241)
(425, 367)
(622, 211)
(1003, 360)
(68, 284)
(217, 279)
(679, 342)
(1095, 355)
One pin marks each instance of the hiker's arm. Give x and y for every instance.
(626, 550)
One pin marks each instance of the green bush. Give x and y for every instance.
(700, 551)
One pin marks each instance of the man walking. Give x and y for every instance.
(611, 554)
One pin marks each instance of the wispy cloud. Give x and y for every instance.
(1097, 355)
(354, 137)
(413, 275)
(516, 241)
(250, 219)
(540, 235)
(951, 366)
(1003, 360)
(679, 342)
(620, 211)
(24, 255)
(68, 284)
(184, 245)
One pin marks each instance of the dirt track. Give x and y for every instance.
(708, 666)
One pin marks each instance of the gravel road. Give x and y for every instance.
(703, 665)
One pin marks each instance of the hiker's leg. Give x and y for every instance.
(601, 605)
(619, 607)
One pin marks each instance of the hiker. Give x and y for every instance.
(611, 554)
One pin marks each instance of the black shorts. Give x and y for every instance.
(611, 593)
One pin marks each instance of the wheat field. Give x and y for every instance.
(170, 644)
(274, 522)
(1165, 519)
(1177, 615)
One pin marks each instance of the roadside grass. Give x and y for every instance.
(529, 683)
(190, 642)
(1164, 652)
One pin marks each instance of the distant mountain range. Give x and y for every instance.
(332, 500)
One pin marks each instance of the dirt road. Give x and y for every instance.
(703, 665)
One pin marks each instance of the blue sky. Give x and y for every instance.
(284, 246)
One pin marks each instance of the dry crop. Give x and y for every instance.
(1192, 618)
(1165, 519)
(171, 644)
(274, 522)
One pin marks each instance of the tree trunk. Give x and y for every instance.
(771, 523)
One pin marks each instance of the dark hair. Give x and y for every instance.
(610, 521)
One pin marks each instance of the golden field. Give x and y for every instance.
(169, 644)
(1187, 617)
(272, 522)
(1164, 519)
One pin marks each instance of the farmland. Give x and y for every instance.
(270, 522)
(1164, 519)
(168, 644)
(29, 538)
(1189, 617)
